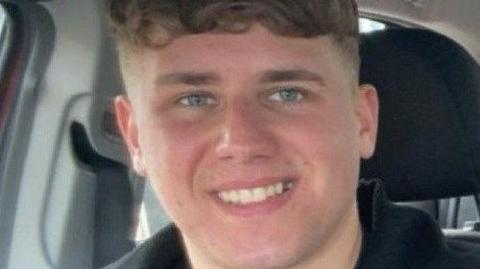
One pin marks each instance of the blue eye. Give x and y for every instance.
(287, 95)
(197, 100)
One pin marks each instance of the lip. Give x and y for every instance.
(257, 209)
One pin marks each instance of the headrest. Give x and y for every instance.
(429, 127)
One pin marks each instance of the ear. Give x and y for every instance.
(129, 130)
(367, 114)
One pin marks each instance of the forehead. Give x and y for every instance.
(241, 55)
(256, 42)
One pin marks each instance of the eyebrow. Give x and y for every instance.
(285, 75)
(189, 78)
(208, 78)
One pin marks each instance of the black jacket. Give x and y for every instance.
(395, 237)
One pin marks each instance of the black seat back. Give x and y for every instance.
(429, 127)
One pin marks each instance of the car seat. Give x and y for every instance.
(429, 122)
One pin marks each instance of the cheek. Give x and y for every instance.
(170, 147)
(324, 139)
(172, 153)
(325, 149)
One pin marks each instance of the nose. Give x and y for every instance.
(245, 134)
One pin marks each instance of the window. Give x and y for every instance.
(5, 42)
(367, 25)
(2, 19)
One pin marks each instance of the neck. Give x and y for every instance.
(344, 246)
(341, 250)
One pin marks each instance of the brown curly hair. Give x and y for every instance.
(155, 23)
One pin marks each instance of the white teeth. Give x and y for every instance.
(234, 197)
(245, 196)
(225, 197)
(259, 194)
(279, 188)
(270, 190)
(255, 195)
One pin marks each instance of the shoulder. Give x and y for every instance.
(404, 237)
(162, 251)
(455, 259)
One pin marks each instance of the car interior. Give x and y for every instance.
(69, 198)
(428, 128)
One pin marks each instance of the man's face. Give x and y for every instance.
(251, 141)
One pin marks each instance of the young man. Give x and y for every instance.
(247, 118)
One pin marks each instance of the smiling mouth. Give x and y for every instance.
(255, 195)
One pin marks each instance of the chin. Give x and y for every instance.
(272, 256)
(258, 261)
